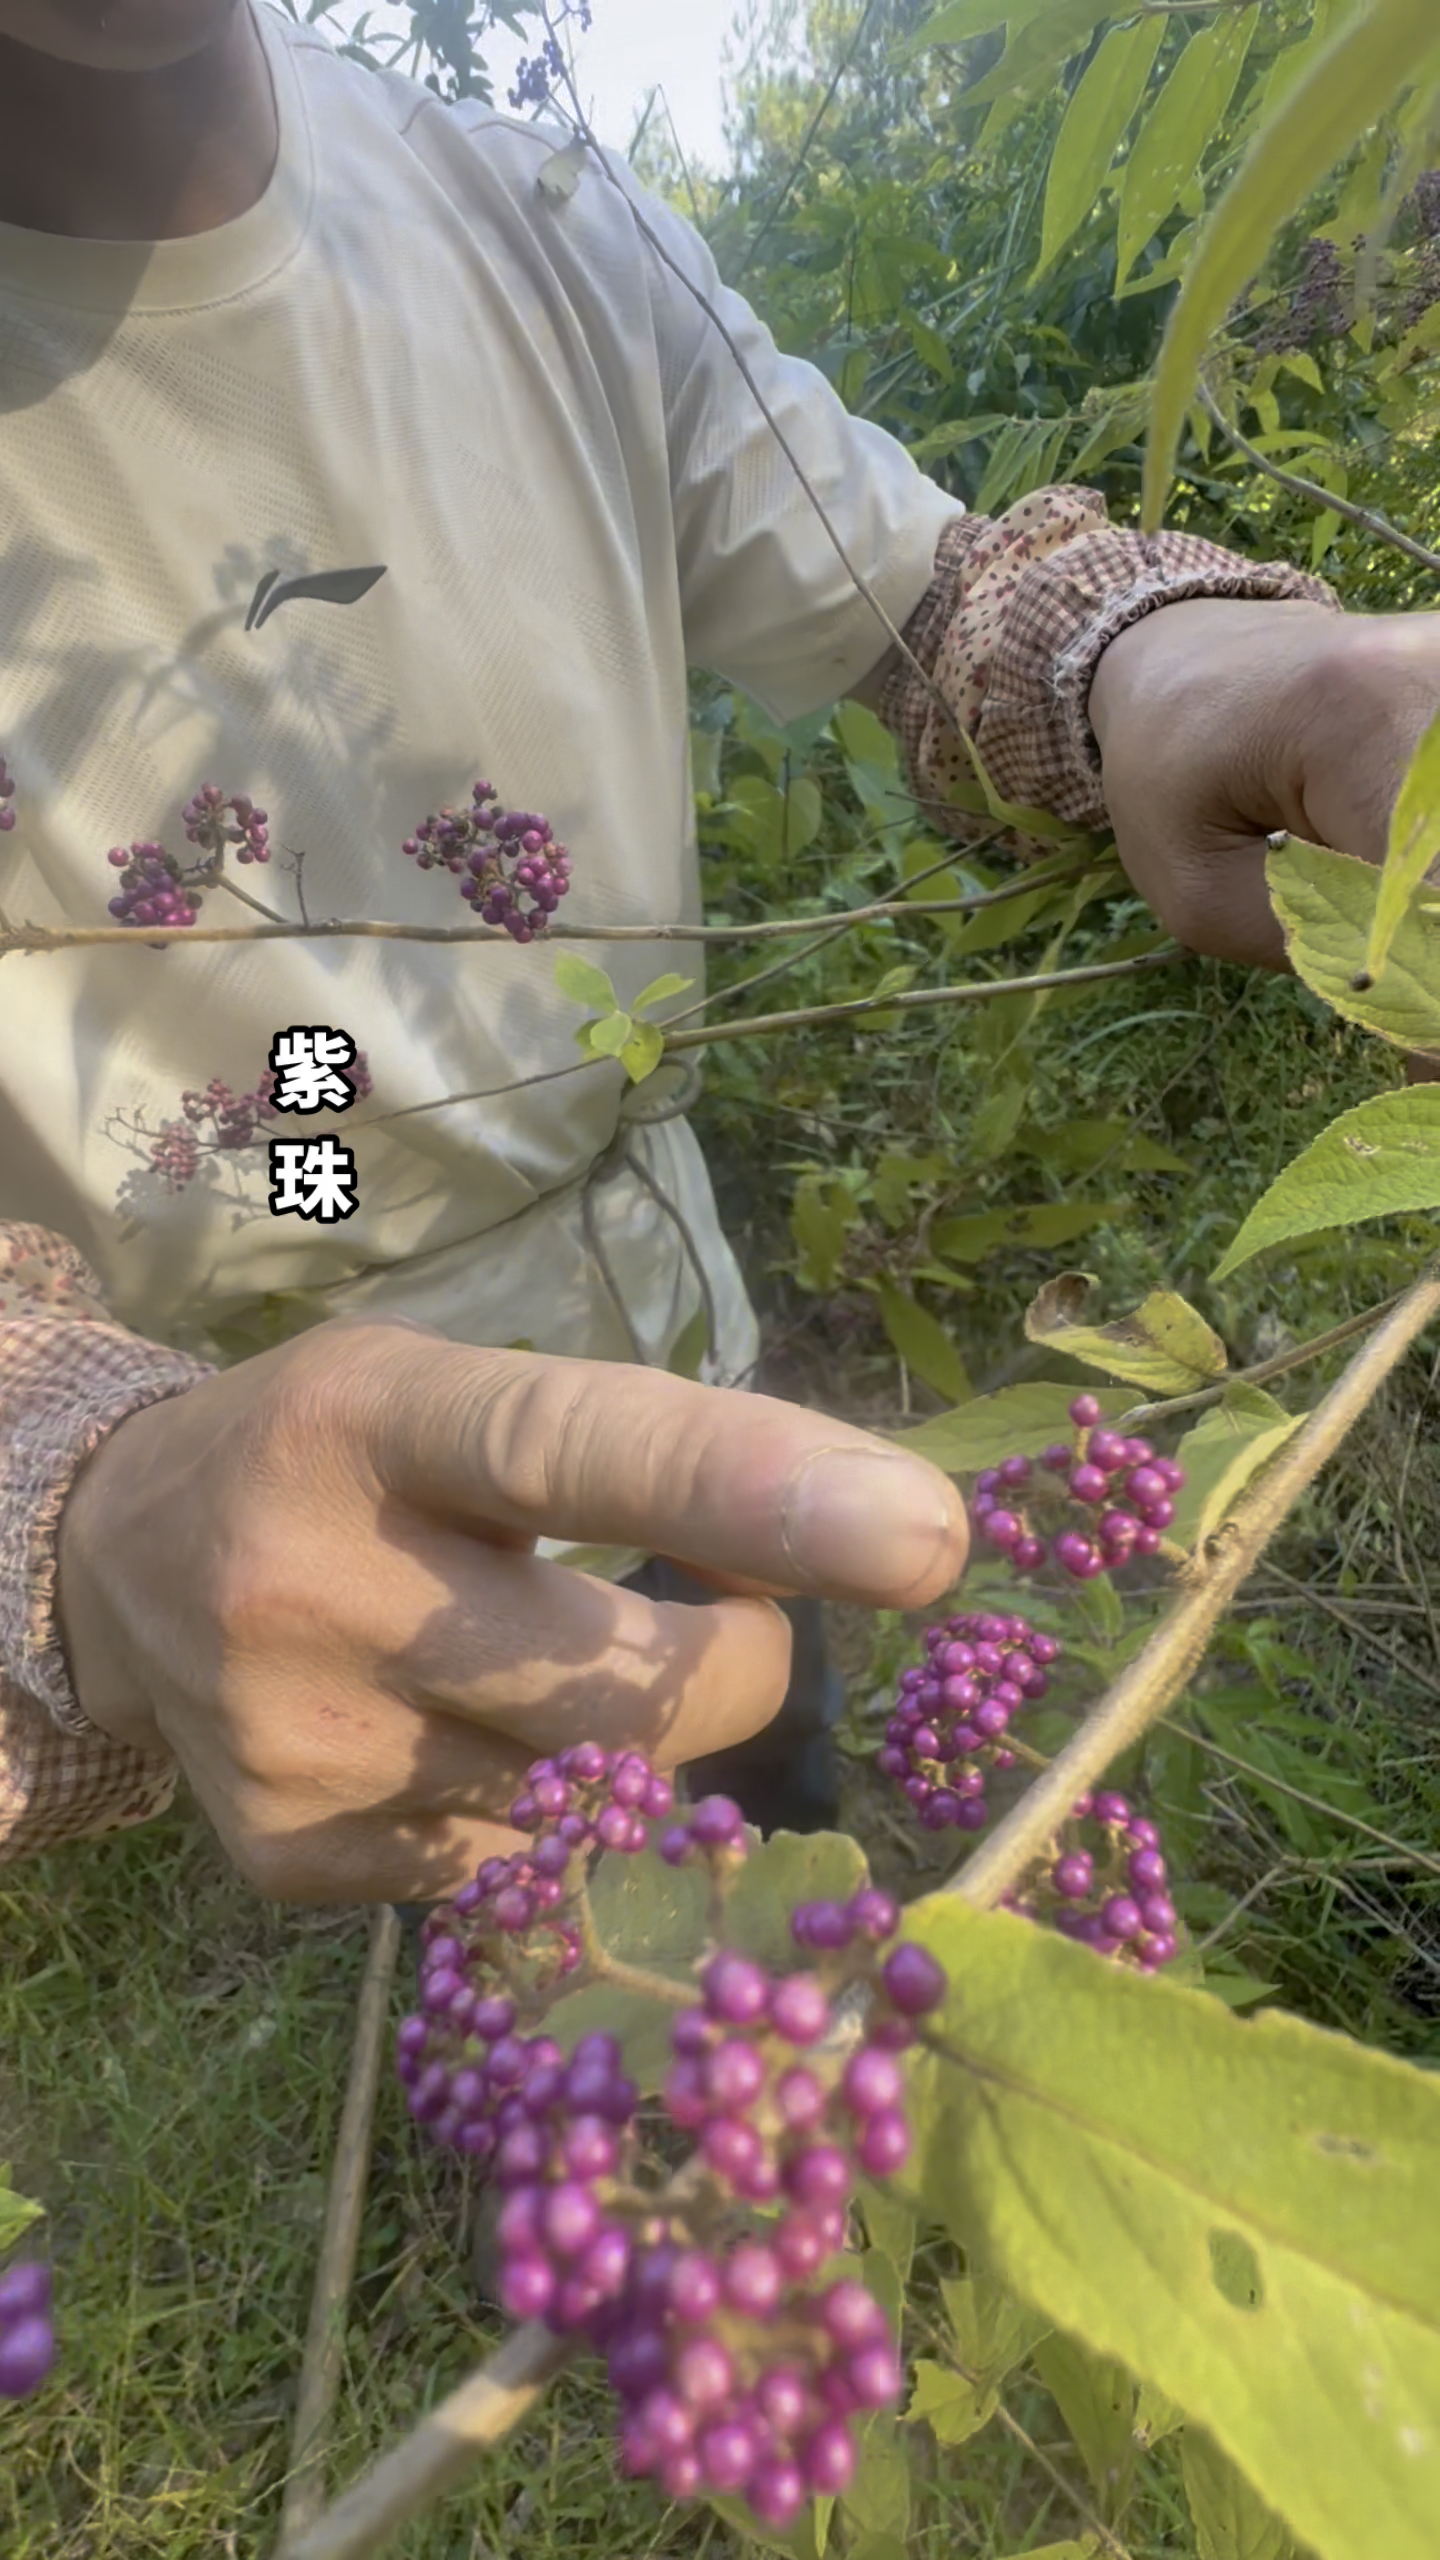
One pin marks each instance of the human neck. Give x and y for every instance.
(138, 155)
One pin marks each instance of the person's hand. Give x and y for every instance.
(312, 1579)
(1219, 722)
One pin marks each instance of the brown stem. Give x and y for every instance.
(436, 2456)
(1155, 1678)
(1311, 490)
(324, 2345)
(36, 937)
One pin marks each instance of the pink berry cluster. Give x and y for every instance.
(1105, 1884)
(27, 2339)
(511, 870)
(1125, 1488)
(7, 794)
(152, 889)
(952, 1712)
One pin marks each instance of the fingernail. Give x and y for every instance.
(874, 1525)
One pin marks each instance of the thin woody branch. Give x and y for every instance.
(35, 937)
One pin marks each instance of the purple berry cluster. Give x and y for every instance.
(511, 870)
(712, 1830)
(7, 794)
(1105, 1885)
(1125, 1488)
(738, 2367)
(215, 823)
(27, 2339)
(154, 890)
(511, 1932)
(952, 1712)
(740, 2355)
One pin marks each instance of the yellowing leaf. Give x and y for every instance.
(1354, 83)
(1164, 1346)
(1241, 2212)
(1100, 108)
(1413, 845)
(1377, 1161)
(1326, 903)
(1179, 129)
(1096, 2398)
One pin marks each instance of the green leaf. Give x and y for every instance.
(1230, 2521)
(1220, 1456)
(1326, 903)
(1081, 1146)
(647, 1913)
(1413, 843)
(1377, 1161)
(1047, 1223)
(876, 2505)
(16, 2212)
(690, 1346)
(1096, 2398)
(1100, 108)
(1352, 86)
(1164, 1346)
(643, 1051)
(1087, 2548)
(1016, 1420)
(1240, 2212)
(951, 2407)
(993, 2333)
(659, 991)
(640, 2026)
(818, 1866)
(922, 1342)
(1182, 124)
(1155, 2416)
(608, 1037)
(583, 983)
(966, 18)
(820, 1219)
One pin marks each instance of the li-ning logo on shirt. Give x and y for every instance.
(328, 586)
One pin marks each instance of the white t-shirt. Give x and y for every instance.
(405, 354)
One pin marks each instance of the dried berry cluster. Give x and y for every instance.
(7, 794)
(511, 870)
(1120, 1487)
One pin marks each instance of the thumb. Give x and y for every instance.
(729, 1483)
